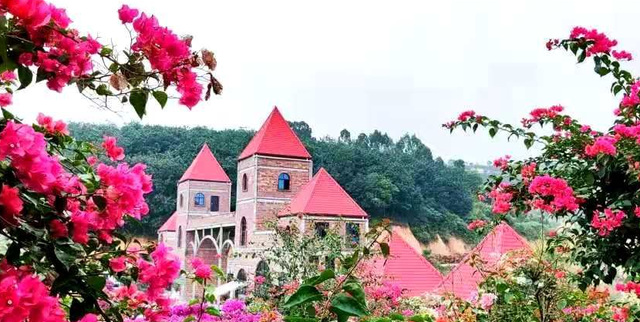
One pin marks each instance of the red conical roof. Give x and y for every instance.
(170, 224)
(276, 138)
(323, 196)
(205, 167)
(409, 269)
(463, 279)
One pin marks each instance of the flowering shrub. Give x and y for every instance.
(62, 201)
(37, 37)
(587, 178)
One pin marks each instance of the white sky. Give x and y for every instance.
(396, 66)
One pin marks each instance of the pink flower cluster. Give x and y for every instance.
(602, 145)
(24, 297)
(10, 203)
(36, 169)
(200, 269)
(63, 54)
(476, 224)
(620, 314)
(621, 55)
(562, 198)
(502, 163)
(110, 146)
(601, 43)
(167, 53)
(159, 274)
(464, 116)
(629, 287)
(528, 171)
(542, 113)
(501, 199)
(611, 220)
(632, 99)
(52, 126)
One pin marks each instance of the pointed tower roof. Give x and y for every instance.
(276, 138)
(170, 224)
(205, 167)
(323, 196)
(409, 269)
(463, 279)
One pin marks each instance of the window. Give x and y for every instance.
(215, 203)
(243, 232)
(181, 200)
(262, 269)
(321, 229)
(353, 234)
(244, 182)
(198, 200)
(242, 275)
(179, 236)
(283, 181)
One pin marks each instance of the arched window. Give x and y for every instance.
(244, 182)
(243, 232)
(262, 269)
(198, 200)
(283, 181)
(181, 200)
(215, 203)
(179, 236)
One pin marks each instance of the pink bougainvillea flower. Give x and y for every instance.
(114, 152)
(539, 114)
(476, 224)
(562, 195)
(118, 264)
(11, 204)
(621, 55)
(502, 163)
(51, 126)
(58, 229)
(127, 14)
(160, 273)
(8, 76)
(464, 116)
(602, 145)
(200, 269)
(5, 99)
(501, 199)
(611, 220)
(600, 42)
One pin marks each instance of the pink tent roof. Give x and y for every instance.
(205, 167)
(170, 224)
(323, 196)
(275, 138)
(463, 279)
(409, 269)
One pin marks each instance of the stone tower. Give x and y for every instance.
(271, 170)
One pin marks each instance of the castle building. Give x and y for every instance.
(275, 185)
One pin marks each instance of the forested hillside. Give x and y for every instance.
(400, 180)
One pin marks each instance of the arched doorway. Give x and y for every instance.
(208, 252)
(226, 253)
(241, 278)
(262, 269)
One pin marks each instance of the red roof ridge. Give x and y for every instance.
(205, 167)
(275, 137)
(170, 224)
(323, 195)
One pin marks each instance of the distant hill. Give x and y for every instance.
(400, 179)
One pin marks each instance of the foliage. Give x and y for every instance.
(587, 178)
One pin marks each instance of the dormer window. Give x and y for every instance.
(283, 181)
(198, 200)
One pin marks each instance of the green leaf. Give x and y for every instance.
(138, 99)
(212, 311)
(325, 275)
(345, 306)
(386, 250)
(161, 97)
(13, 253)
(299, 319)
(100, 201)
(562, 304)
(305, 294)
(66, 259)
(493, 131)
(354, 288)
(106, 51)
(218, 271)
(189, 318)
(96, 282)
(602, 71)
(25, 76)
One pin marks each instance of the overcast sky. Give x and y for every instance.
(397, 66)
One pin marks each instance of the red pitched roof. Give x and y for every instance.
(205, 167)
(463, 279)
(409, 269)
(323, 196)
(276, 138)
(170, 224)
